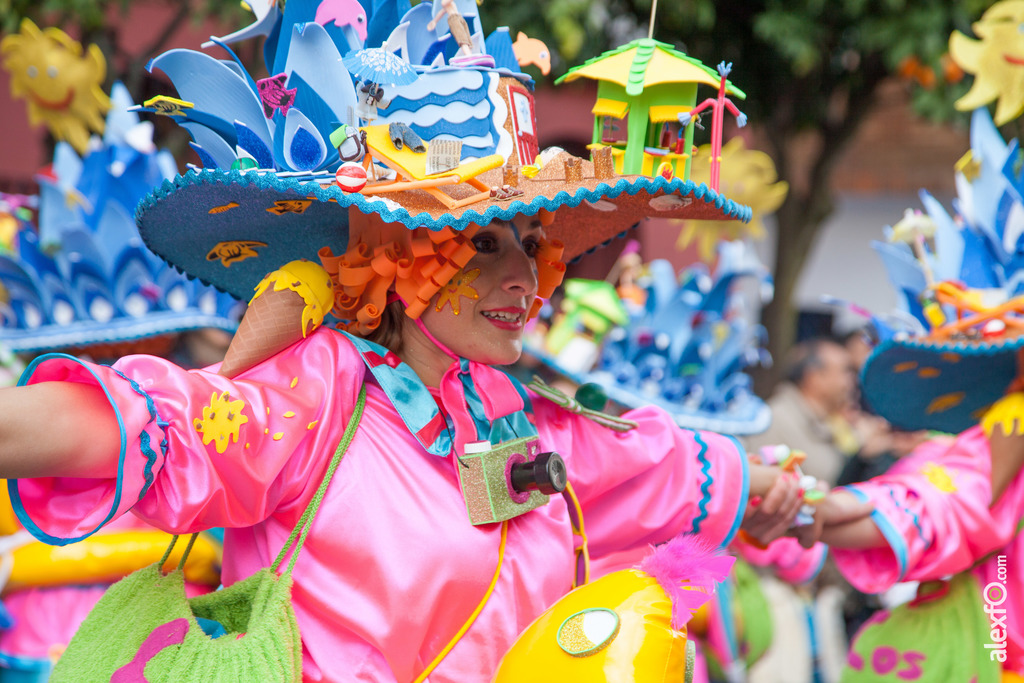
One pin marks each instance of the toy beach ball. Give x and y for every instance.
(624, 627)
(351, 176)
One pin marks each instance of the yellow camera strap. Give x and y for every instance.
(582, 574)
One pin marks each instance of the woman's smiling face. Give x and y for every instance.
(480, 314)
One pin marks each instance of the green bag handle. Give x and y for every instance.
(305, 522)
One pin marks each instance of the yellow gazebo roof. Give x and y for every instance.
(656, 62)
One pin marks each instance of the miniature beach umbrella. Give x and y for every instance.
(379, 65)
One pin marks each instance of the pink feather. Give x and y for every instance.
(688, 568)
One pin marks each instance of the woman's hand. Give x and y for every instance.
(774, 502)
(770, 516)
(848, 523)
(838, 509)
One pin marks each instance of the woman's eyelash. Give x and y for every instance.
(488, 243)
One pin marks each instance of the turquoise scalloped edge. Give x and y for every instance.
(270, 181)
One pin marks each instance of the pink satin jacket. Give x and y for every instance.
(392, 567)
(933, 507)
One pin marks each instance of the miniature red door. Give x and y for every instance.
(523, 128)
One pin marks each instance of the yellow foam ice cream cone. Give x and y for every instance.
(279, 316)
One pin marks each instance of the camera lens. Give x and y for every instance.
(545, 473)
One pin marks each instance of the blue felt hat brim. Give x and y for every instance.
(185, 218)
(946, 387)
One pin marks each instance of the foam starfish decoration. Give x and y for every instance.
(460, 286)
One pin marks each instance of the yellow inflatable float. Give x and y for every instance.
(102, 558)
(624, 627)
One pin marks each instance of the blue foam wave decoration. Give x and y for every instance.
(87, 278)
(469, 96)
(980, 245)
(687, 348)
(228, 120)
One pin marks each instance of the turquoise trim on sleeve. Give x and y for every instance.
(144, 443)
(913, 516)
(705, 487)
(27, 665)
(12, 484)
(892, 536)
(744, 491)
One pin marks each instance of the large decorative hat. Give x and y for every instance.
(956, 348)
(73, 270)
(337, 131)
(681, 343)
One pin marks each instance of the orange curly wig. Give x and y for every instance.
(414, 264)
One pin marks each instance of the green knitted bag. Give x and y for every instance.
(144, 629)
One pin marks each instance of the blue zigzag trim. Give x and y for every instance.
(144, 441)
(964, 348)
(269, 181)
(705, 487)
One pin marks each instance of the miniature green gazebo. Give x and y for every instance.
(652, 83)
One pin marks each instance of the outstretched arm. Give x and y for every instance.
(437, 18)
(776, 497)
(57, 429)
(855, 535)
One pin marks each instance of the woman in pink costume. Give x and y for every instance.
(953, 505)
(393, 568)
